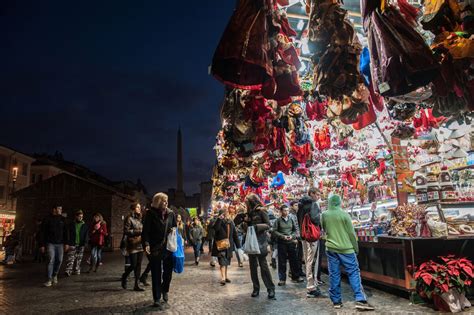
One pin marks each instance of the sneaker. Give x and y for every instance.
(158, 306)
(55, 280)
(313, 294)
(337, 305)
(67, 273)
(165, 297)
(281, 283)
(241, 265)
(271, 295)
(364, 306)
(48, 283)
(76, 272)
(321, 282)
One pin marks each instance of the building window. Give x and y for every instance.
(3, 162)
(33, 178)
(2, 192)
(24, 169)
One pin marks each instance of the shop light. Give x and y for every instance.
(304, 46)
(303, 67)
(300, 25)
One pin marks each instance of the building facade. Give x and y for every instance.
(72, 193)
(15, 172)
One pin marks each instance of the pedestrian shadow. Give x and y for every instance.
(137, 308)
(106, 290)
(94, 279)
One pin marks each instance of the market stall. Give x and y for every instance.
(371, 101)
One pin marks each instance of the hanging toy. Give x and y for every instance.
(278, 181)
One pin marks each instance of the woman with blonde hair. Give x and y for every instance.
(97, 233)
(159, 222)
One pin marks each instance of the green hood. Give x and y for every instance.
(334, 202)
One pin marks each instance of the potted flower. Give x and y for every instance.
(445, 282)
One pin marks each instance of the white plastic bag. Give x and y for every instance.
(172, 244)
(251, 242)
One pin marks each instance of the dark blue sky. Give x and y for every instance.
(107, 83)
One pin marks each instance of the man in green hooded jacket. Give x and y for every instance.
(341, 249)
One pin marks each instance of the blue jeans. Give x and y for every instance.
(351, 266)
(55, 256)
(96, 255)
(197, 250)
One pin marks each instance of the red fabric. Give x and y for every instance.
(97, 237)
(309, 231)
(278, 142)
(375, 99)
(242, 58)
(381, 169)
(426, 121)
(316, 110)
(282, 165)
(366, 119)
(322, 138)
(301, 153)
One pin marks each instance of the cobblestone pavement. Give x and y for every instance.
(196, 291)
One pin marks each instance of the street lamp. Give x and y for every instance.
(14, 177)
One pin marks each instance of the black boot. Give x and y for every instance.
(137, 287)
(143, 280)
(271, 294)
(124, 281)
(255, 293)
(273, 263)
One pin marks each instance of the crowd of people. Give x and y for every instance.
(294, 234)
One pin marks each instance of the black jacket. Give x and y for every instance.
(220, 230)
(83, 234)
(154, 234)
(307, 205)
(259, 220)
(53, 231)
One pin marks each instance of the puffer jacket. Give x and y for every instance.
(260, 221)
(133, 228)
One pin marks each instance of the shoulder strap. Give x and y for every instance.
(228, 230)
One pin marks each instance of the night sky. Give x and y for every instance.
(107, 83)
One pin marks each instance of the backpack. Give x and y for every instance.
(309, 231)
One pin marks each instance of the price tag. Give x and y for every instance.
(384, 87)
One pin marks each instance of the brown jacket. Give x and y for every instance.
(132, 228)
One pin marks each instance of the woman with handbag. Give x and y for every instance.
(132, 229)
(257, 218)
(225, 237)
(159, 222)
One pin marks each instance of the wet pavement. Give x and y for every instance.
(196, 291)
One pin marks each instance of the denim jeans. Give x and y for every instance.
(197, 250)
(55, 256)
(351, 266)
(96, 255)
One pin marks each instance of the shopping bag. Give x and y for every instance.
(251, 242)
(178, 255)
(172, 243)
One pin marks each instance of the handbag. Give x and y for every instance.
(178, 255)
(172, 243)
(251, 243)
(225, 243)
